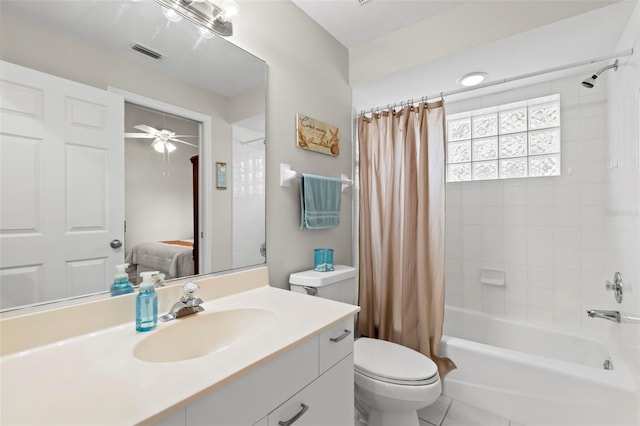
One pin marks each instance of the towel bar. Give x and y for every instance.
(287, 176)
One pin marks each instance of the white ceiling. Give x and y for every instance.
(352, 23)
(580, 37)
(115, 25)
(561, 43)
(214, 64)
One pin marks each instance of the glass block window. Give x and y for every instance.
(520, 139)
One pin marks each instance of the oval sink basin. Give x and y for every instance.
(202, 334)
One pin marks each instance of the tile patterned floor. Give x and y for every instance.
(448, 412)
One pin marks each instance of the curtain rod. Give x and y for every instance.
(624, 53)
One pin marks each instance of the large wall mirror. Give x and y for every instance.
(110, 153)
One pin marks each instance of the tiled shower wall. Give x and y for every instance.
(547, 233)
(623, 204)
(248, 198)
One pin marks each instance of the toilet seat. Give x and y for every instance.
(392, 363)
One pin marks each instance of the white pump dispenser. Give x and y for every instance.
(121, 284)
(147, 303)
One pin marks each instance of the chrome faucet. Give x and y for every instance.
(187, 305)
(608, 315)
(158, 279)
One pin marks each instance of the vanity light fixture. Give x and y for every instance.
(472, 79)
(205, 13)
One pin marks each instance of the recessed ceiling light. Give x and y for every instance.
(472, 79)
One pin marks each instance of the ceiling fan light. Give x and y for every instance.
(158, 145)
(170, 147)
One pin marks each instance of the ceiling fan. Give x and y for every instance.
(161, 138)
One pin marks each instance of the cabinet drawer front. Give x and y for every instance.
(335, 343)
(254, 394)
(326, 401)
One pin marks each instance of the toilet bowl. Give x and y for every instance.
(392, 382)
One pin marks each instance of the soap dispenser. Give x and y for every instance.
(147, 303)
(121, 284)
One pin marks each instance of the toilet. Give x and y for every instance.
(392, 382)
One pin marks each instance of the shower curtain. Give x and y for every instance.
(402, 184)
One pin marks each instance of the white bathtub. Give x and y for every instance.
(535, 375)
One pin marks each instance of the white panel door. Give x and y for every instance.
(62, 186)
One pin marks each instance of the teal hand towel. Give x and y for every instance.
(319, 201)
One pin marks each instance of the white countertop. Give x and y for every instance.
(95, 378)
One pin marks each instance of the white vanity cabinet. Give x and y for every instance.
(317, 373)
(328, 400)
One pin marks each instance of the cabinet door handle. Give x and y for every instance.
(293, 419)
(340, 337)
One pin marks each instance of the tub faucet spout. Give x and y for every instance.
(608, 315)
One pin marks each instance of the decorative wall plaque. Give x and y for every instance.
(317, 136)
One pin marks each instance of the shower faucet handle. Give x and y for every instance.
(616, 286)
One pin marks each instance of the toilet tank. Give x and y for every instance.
(339, 284)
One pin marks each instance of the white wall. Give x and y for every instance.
(623, 188)
(308, 74)
(547, 233)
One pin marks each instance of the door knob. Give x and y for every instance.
(115, 244)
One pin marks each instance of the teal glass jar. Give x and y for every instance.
(323, 259)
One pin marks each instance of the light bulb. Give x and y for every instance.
(230, 8)
(472, 79)
(170, 147)
(171, 15)
(205, 33)
(158, 145)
